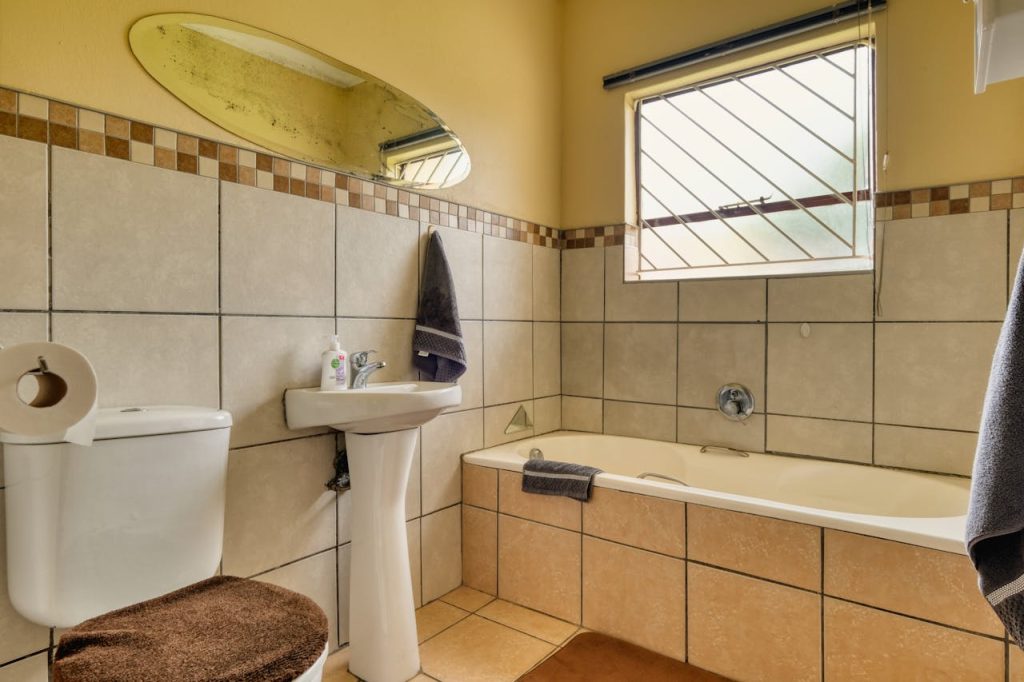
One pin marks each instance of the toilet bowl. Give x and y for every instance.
(133, 525)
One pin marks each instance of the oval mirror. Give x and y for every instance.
(298, 102)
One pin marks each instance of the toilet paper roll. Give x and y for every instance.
(64, 402)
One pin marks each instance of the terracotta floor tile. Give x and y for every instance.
(435, 617)
(531, 622)
(479, 650)
(467, 599)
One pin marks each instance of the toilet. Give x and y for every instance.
(126, 536)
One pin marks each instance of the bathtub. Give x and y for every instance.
(928, 510)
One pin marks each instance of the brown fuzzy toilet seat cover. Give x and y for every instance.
(219, 630)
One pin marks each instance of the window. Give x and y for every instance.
(767, 172)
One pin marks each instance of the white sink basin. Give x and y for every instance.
(378, 408)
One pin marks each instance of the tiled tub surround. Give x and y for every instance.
(188, 289)
(899, 385)
(755, 598)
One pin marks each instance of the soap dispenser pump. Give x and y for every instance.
(334, 367)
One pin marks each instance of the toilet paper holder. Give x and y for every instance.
(42, 369)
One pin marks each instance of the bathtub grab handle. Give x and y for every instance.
(724, 449)
(654, 474)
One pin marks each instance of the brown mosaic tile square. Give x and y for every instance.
(91, 141)
(380, 191)
(1018, 185)
(297, 187)
(63, 136)
(264, 162)
(207, 149)
(32, 128)
(188, 144)
(901, 212)
(354, 199)
(919, 196)
(312, 190)
(117, 127)
(327, 193)
(414, 213)
(424, 202)
(341, 182)
(187, 163)
(960, 206)
(117, 147)
(281, 183)
(228, 154)
(162, 158)
(142, 132)
(980, 189)
(282, 167)
(391, 208)
(8, 101)
(228, 172)
(900, 198)
(63, 114)
(247, 175)
(1001, 201)
(312, 175)
(940, 194)
(366, 202)
(938, 208)
(8, 123)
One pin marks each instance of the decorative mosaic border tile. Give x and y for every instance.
(64, 125)
(599, 237)
(971, 197)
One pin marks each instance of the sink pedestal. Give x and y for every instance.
(382, 618)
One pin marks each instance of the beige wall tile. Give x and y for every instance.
(538, 625)
(480, 486)
(443, 442)
(640, 420)
(642, 521)
(479, 649)
(950, 267)
(708, 427)
(864, 644)
(636, 301)
(435, 617)
(849, 441)
(1016, 245)
(441, 551)
(583, 359)
(552, 510)
(316, 578)
(497, 418)
(640, 362)
(547, 415)
(132, 237)
(712, 355)
(947, 452)
(917, 581)
(20, 637)
(508, 362)
(472, 382)
(413, 489)
(547, 359)
(288, 350)
(31, 669)
(508, 280)
(378, 264)
(726, 300)
(23, 224)
(126, 349)
(344, 591)
(480, 549)
(947, 363)
(539, 567)
(583, 285)
(546, 283)
(839, 298)
(582, 414)
(278, 509)
(465, 252)
(277, 253)
(650, 612)
(777, 550)
(826, 374)
(752, 630)
(413, 536)
(391, 338)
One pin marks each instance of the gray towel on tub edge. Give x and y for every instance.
(546, 477)
(995, 517)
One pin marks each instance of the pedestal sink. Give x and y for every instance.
(380, 423)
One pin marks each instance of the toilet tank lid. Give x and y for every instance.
(133, 422)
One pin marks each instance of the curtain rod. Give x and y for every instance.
(806, 22)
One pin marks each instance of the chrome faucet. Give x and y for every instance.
(362, 369)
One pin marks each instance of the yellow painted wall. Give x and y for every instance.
(935, 129)
(489, 68)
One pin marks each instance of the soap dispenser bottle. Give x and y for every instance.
(334, 367)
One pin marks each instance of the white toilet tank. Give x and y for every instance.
(138, 514)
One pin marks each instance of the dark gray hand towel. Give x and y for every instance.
(437, 348)
(558, 478)
(995, 518)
